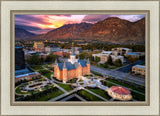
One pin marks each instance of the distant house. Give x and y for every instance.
(72, 68)
(139, 69)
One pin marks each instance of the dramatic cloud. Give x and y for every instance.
(96, 18)
(44, 23)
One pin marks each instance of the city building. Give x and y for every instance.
(139, 69)
(61, 53)
(121, 51)
(135, 54)
(104, 55)
(103, 58)
(71, 68)
(114, 58)
(119, 93)
(29, 54)
(52, 48)
(78, 50)
(26, 76)
(38, 46)
(19, 58)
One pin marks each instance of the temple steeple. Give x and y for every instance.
(73, 55)
(73, 49)
(88, 62)
(64, 65)
(56, 63)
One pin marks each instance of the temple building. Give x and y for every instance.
(71, 68)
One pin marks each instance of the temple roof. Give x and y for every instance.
(71, 66)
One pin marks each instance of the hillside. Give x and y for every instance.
(112, 30)
(22, 33)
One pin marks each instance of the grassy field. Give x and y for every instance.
(88, 96)
(127, 85)
(108, 84)
(72, 80)
(65, 86)
(37, 67)
(100, 92)
(49, 96)
(48, 75)
(137, 96)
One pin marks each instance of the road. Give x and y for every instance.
(118, 75)
(128, 68)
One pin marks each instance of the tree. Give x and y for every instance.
(105, 65)
(35, 60)
(132, 59)
(92, 59)
(50, 58)
(118, 62)
(97, 59)
(110, 62)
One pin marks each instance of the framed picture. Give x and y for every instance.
(80, 58)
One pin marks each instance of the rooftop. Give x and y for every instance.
(106, 52)
(27, 74)
(132, 53)
(23, 71)
(18, 47)
(126, 49)
(140, 66)
(71, 66)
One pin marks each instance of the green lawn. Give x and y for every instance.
(137, 96)
(65, 86)
(49, 96)
(80, 80)
(47, 87)
(127, 85)
(108, 84)
(48, 75)
(37, 67)
(88, 96)
(72, 80)
(100, 92)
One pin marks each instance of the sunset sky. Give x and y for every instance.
(39, 24)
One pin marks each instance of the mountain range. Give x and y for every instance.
(112, 30)
(22, 33)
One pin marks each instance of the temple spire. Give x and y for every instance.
(88, 62)
(64, 65)
(56, 62)
(73, 49)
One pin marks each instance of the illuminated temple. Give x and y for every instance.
(71, 68)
